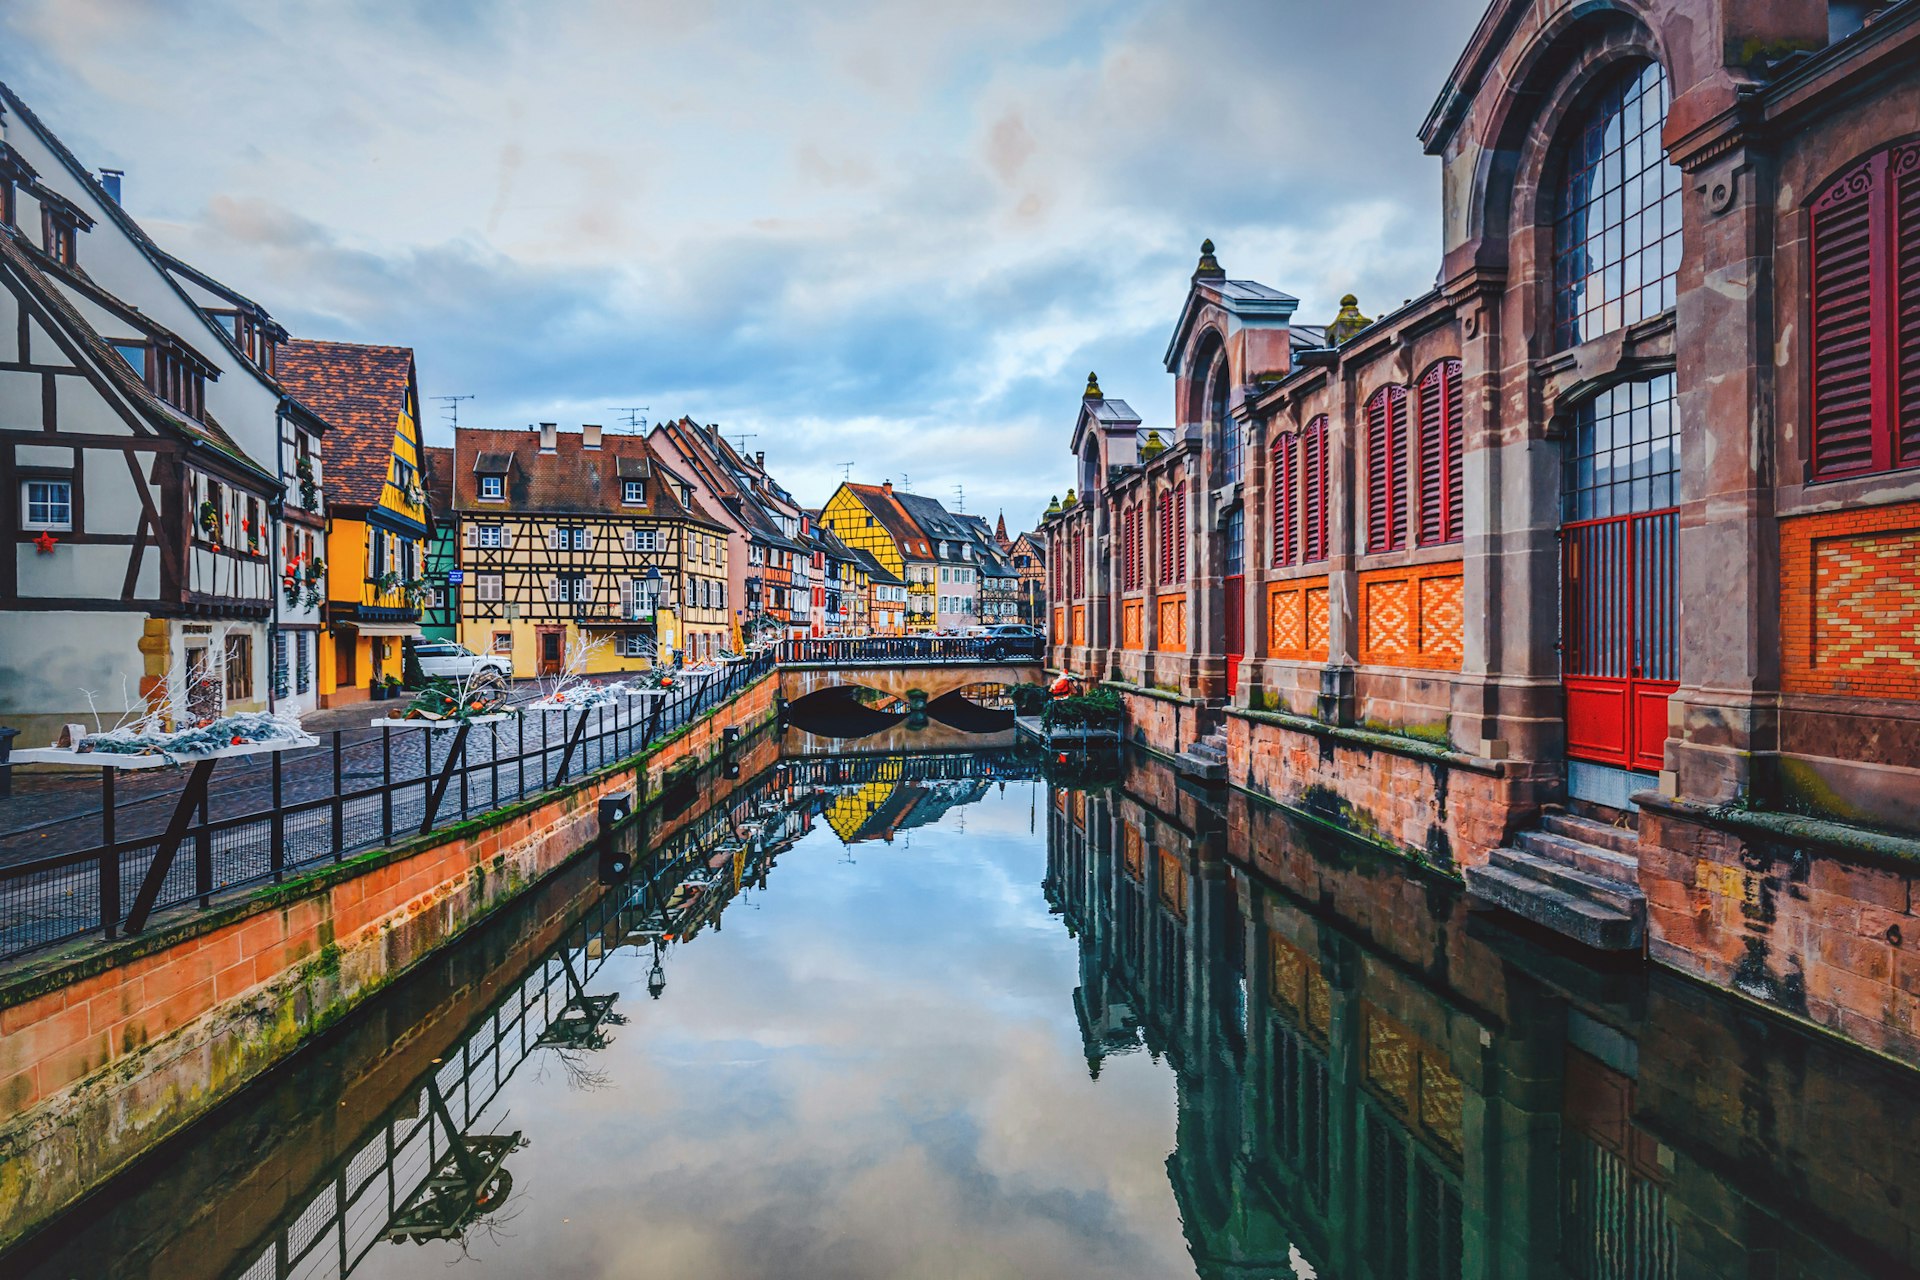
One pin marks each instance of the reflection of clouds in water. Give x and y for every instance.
(877, 1073)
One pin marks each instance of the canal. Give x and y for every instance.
(972, 1014)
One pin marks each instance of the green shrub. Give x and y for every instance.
(1097, 710)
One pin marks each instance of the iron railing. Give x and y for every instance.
(307, 811)
(843, 651)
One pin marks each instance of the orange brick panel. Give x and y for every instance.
(1850, 602)
(1297, 620)
(1413, 617)
(1133, 624)
(1173, 624)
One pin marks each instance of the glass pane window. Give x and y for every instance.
(1616, 231)
(1235, 537)
(493, 486)
(48, 504)
(1623, 456)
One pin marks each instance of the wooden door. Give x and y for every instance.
(1620, 641)
(551, 649)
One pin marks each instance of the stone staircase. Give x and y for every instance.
(1206, 759)
(1573, 875)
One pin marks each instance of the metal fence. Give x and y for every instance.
(416, 779)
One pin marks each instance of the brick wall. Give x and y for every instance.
(105, 1052)
(1814, 931)
(1850, 602)
(1297, 619)
(1436, 809)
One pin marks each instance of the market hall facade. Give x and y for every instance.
(1593, 572)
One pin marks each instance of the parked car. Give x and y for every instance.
(446, 660)
(1012, 640)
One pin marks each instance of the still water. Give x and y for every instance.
(940, 1015)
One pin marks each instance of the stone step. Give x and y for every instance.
(1572, 825)
(1580, 855)
(1600, 890)
(1588, 923)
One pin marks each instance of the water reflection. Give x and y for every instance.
(1031, 1029)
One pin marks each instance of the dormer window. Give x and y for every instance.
(167, 371)
(257, 336)
(135, 354)
(633, 493)
(493, 488)
(61, 222)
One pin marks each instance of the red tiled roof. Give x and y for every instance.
(570, 480)
(906, 532)
(436, 467)
(361, 391)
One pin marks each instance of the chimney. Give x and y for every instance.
(760, 459)
(110, 183)
(888, 486)
(549, 437)
(589, 435)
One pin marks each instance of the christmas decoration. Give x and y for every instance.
(45, 543)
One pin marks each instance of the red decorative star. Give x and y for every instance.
(46, 542)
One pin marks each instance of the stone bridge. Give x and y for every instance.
(916, 669)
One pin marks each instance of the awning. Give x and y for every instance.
(382, 628)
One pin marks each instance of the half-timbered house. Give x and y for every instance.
(870, 518)
(564, 535)
(440, 614)
(209, 353)
(377, 523)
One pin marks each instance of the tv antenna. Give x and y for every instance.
(636, 416)
(452, 409)
(846, 470)
(743, 437)
(960, 497)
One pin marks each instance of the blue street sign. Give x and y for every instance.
(455, 577)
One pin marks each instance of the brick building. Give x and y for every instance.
(1623, 515)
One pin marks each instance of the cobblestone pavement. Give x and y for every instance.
(504, 761)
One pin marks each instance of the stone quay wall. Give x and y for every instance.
(106, 1049)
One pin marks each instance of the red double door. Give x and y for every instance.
(1620, 636)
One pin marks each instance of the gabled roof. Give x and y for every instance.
(912, 541)
(876, 572)
(361, 391)
(23, 265)
(935, 519)
(436, 467)
(572, 480)
(1248, 301)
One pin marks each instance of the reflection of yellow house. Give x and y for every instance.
(377, 523)
(849, 811)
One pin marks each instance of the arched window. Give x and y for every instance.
(1222, 431)
(1313, 501)
(1439, 454)
(1286, 492)
(1387, 469)
(1864, 237)
(1616, 230)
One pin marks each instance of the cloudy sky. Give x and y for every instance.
(892, 234)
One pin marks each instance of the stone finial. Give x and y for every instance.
(1053, 506)
(1070, 502)
(1154, 446)
(1209, 268)
(1348, 322)
(1093, 388)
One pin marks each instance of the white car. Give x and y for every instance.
(444, 659)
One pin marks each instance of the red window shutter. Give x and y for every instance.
(1844, 382)
(1166, 535)
(1313, 466)
(1440, 478)
(1905, 170)
(1286, 481)
(1387, 469)
(1181, 532)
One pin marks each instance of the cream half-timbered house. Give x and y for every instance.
(567, 538)
(207, 353)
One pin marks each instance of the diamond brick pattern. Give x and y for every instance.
(1133, 624)
(1319, 622)
(1297, 620)
(1173, 624)
(1413, 617)
(1850, 602)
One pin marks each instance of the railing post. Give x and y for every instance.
(109, 857)
(203, 856)
(277, 837)
(386, 785)
(339, 809)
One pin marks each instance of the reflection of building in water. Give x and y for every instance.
(1373, 1085)
(877, 797)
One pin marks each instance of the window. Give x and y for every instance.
(47, 504)
(570, 538)
(135, 354)
(1864, 232)
(1313, 500)
(642, 540)
(487, 535)
(302, 664)
(493, 488)
(503, 642)
(1623, 456)
(60, 234)
(633, 492)
(1235, 535)
(1387, 469)
(570, 588)
(1286, 491)
(486, 588)
(239, 666)
(1130, 548)
(631, 645)
(1616, 231)
(1439, 454)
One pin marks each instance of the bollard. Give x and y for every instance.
(615, 808)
